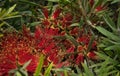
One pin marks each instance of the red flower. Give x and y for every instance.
(66, 20)
(99, 8)
(17, 50)
(53, 57)
(92, 55)
(71, 49)
(56, 13)
(80, 48)
(47, 45)
(91, 2)
(79, 59)
(50, 20)
(45, 12)
(84, 39)
(46, 22)
(75, 31)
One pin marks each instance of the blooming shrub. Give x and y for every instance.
(74, 37)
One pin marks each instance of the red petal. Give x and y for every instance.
(45, 12)
(91, 2)
(37, 32)
(56, 13)
(91, 55)
(99, 8)
(71, 49)
(79, 59)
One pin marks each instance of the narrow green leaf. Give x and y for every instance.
(26, 64)
(97, 3)
(34, 24)
(87, 71)
(65, 73)
(18, 74)
(118, 21)
(10, 9)
(105, 57)
(113, 47)
(1, 35)
(109, 21)
(0, 9)
(39, 67)
(53, 0)
(90, 43)
(2, 24)
(11, 17)
(47, 72)
(23, 72)
(72, 39)
(107, 33)
(29, 2)
(75, 24)
(115, 1)
(2, 13)
(118, 74)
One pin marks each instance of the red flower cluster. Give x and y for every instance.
(99, 8)
(64, 21)
(46, 44)
(55, 19)
(15, 51)
(77, 57)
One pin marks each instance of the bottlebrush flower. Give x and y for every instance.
(15, 51)
(98, 8)
(46, 44)
(91, 2)
(66, 20)
(50, 20)
(56, 13)
(85, 39)
(79, 59)
(92, 55)
(45, 12)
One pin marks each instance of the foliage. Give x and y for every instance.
(60, 38)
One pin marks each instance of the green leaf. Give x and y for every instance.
(11, 17)
(115, 1)
(107, 33)
(109, 21)
(75, 24)
(10, 9)
(2, 24)
(47, 72)
(87, 70)
(29, 2)
(118, 74)
(113, 47)
(105, 57)
(97, 3)
(34, 24)
(18, 74)
(39, 67)
(65, 73)
(118, 21)
(53, 0)
(5, 12)
(1, 35)
(26, 64)
(72, 39)
(90, 43)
